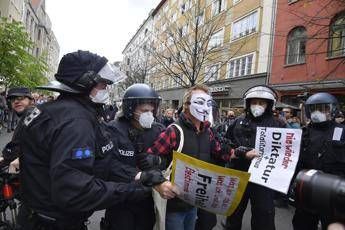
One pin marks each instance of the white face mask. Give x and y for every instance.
(201, 106)
(146, 119)
(257, 110)
(339, 120)
(318, 117)
(101, 97)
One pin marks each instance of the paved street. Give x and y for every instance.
(283, 216)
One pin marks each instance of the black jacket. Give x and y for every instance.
(68, 162)
(131, 142)
(197, 145)
(321, 151)
(242, 132)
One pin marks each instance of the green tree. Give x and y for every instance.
(17, 66)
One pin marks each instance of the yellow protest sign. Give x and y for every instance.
(207, 186)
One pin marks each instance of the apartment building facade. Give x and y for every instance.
(309, 49)
(136, 57)
(38, 25)
(39, 28)
(12, 9)
(232, 36)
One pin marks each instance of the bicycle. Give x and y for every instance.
(9, 185)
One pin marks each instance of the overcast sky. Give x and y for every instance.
(102, 26)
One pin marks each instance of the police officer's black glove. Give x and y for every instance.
(11, 151)
(147, 161)
(151, 177)
(241, 151)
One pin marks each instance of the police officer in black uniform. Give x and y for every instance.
(135, 131)
(323, 148)
(21, 102)
(258, 103)
(68, 168)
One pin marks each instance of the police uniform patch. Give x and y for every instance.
(31, 116)
(82, 153)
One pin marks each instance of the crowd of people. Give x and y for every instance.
(79, 154)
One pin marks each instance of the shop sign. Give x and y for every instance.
(219, 91)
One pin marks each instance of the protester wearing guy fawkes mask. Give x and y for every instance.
(134, 130)
(201, 144)
(323, 148)
(258, 104)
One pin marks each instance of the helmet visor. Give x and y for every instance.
(111, 74)
(325, 108)
(155, 102)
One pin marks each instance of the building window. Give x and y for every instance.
(178, 80)
(199, 19)
(183, 30)
(217, 6)
(216, 39)
(241, 66)
(39, 34)
(173, 17)
(165, 8)
(183, 8)
(296, 43)
(234, 2)
(212, 73)
(337, 36)
(164, 26)
(245, 26)
(128, 61)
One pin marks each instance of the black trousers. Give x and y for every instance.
(131, 216)
(262, 207)
(28, 220)
(206, 220)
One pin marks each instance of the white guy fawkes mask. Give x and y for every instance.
(201, 106)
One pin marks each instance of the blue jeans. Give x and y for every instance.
(181, 220)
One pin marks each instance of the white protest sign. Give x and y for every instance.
(279, 151)
(207, 186)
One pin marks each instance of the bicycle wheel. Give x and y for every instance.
(5, 226)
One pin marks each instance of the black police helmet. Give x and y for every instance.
(19, 92)
(139, 94)
(322, 98)
(79, 69)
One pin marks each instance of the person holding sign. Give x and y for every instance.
(201, 144)
(259, 101)
(323, 148)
